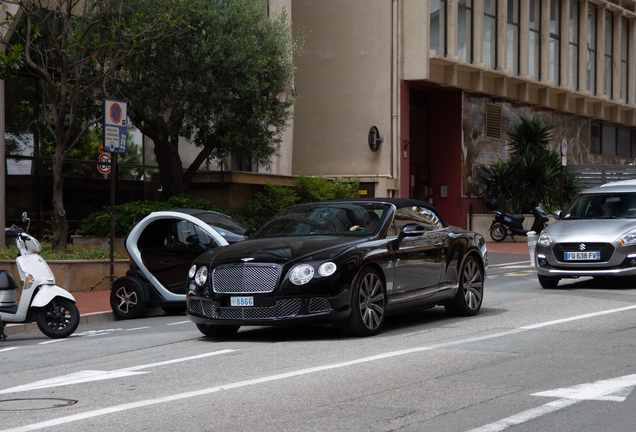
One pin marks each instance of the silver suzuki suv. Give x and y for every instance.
(595, 237)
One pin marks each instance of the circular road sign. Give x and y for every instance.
(564, 147)
(115, 113)
(104, 158)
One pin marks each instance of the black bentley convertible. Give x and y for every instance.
(349, 262)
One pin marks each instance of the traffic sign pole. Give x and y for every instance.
(115, 137)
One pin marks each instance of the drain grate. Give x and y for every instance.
(34, 404)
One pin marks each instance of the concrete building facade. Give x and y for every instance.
(442, 80)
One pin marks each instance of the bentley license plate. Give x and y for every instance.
(582, 256)
(241, 301)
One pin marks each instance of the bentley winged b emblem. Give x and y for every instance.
(247, 259)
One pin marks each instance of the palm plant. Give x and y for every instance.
(532, 174)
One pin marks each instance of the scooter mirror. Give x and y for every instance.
(24, 217)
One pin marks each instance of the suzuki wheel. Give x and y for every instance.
(126, 298)
(498, 232)
(470, 294)
(368, 303)
(218, 330)
(58, 319)
(548, 282)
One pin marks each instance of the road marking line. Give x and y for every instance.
(8, 349)
(180, 322)
(96, 375)
(523, 417)
(137, 328)
(51, 341)
(552, 406)
(613, 390)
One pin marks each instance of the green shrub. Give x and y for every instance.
(252, 213)
(98, 223)
(72, 252)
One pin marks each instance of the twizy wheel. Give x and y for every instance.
(58, 319)
(126, 298)
(470, 294)
(218, 330)
(498, 232)
(367, 305)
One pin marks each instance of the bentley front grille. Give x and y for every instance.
(282, 309)
(319, 304)
(245, 279)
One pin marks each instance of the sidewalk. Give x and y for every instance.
(94, 306)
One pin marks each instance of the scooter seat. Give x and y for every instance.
(514, 216)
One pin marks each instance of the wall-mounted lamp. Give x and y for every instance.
(375, 139)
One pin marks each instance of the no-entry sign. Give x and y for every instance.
(104, 158)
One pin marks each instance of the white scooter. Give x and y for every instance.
(52, 307)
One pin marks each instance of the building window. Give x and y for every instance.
(591, 48)
(624, 143)
(535, 38)
(609, 43)
(494, 121)
(555, 36)
(512, 45)
(490, 33)
(574, 45)
(438, 26)
(465, 30)
(624, 50)
(610, 140)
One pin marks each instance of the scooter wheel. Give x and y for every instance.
(58, 319)
(498, 232)
(126, 298)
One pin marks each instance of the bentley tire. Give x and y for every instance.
(470, 294)
(218, 330)
(58, 319)
(126, 298)
(548, 282)
(498, 232)
(368, 303)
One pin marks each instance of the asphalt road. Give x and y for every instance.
(532, 360)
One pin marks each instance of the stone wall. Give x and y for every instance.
(477, 149)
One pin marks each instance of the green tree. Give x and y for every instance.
(225, 85)
(74, 47)
(533, 172)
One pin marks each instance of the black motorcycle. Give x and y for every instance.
(512, 224)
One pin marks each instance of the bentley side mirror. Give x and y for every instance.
(248, 232)
(557, 214)
(411, 230)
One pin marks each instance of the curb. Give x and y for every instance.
(85, 319)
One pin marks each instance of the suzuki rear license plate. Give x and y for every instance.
(582, 256)
(241, 301)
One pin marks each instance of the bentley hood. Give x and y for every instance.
(280, 250)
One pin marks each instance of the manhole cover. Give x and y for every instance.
(34, 404)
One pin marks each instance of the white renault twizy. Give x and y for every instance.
(162, 247)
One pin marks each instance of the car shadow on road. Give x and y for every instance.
(406, 322)
(613, 283)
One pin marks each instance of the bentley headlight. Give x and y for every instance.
(627, 239)
(201, 276)
(544, 239)
(301, 274)
(192, 272)
(327, 269)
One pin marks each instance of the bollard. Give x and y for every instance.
(532, 244)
